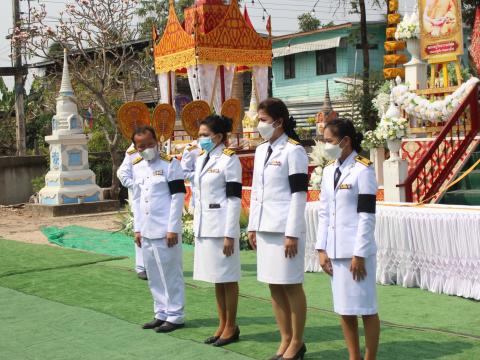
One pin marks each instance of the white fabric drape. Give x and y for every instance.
(260, 77)
(229, 72)
(436, 248)
(163, 82)
(202, 81)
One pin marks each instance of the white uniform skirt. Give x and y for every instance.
(211, 265)
(272, 265)
(352, 297)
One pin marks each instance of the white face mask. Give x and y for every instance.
(149, 154)
(333, 151)
(266, 130)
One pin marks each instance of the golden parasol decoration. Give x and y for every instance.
(164, 121)
(132, 115)
(192, 114)
(232, 109)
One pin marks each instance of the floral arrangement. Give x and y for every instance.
(408, 28)
(320, 160)
(391, 128)
(371, 140)
(424, 109)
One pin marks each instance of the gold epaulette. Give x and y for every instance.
(294, 142)
(229, 152)
(131, 150)
(137, 160)
(202, 152)
(331, 162)
(191, 148)
(364, 161)
(166, 157)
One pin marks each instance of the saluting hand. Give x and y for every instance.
(172, 239)
(291, 246)
(228, 247)
(252, 239)
(138, 239)
(325, 262)
(357, 268)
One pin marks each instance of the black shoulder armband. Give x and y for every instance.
(298, 182)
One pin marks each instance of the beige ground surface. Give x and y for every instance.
(18, 224)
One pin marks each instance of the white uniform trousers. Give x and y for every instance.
(352, 297)
(272, 265)
(164, 267)
(139, 266)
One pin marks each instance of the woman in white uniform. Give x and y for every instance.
(345, 239)
(218, 194)
(277, 222)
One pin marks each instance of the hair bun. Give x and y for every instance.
(227, 124)
(359, 137)
(293, 123)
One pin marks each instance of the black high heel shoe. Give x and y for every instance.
(299, 355)
(276, 357)
(234, 338)
(211, 340)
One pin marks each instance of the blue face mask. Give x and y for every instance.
(206, 143)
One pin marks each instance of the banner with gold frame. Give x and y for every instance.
(441, 32)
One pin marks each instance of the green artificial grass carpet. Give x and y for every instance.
(34, 328)
(94, 240)
(112, 288)
(17, 257)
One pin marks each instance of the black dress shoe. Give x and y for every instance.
(299, 355)
(211, 340)
(153, 324)
(276, 357)
(234, 338)
(142, 275)
(167, 327)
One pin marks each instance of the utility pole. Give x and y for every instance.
(19, 84)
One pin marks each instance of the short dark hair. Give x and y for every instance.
(141, 131)
(218, 125)
(344, 127)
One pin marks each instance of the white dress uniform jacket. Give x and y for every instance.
(159, 207)
(346, 223)
(279, 188)
(125, 175)
(218, 194)
(124, 172)
(189, 159)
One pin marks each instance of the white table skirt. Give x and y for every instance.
(436, 247)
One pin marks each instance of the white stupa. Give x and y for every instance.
(69, 181)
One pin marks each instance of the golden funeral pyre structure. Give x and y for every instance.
(214, 42)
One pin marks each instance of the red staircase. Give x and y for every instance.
(439, 164)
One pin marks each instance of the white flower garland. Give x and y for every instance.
(428, 110)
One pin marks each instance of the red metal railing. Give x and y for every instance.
(446, 151)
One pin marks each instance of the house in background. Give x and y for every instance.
(303, 62)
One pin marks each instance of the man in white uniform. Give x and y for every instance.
(125, 176)
(159, 180)
(189, 158)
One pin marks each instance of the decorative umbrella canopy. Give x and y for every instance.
(227, 41)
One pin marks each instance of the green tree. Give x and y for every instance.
(156, 13)
(7, 120)
(469, 8)
(308, 22)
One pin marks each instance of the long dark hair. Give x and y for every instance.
(342, 128)
(277, 109)
(219, 125)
